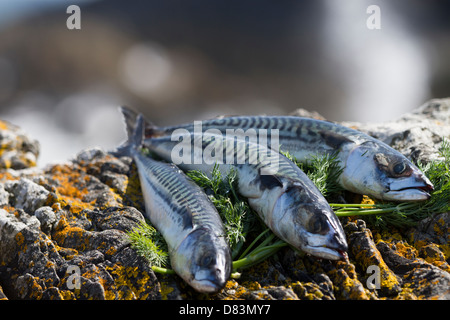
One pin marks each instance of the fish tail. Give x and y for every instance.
(130, 117)
(135, 126)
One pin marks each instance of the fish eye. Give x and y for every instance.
(318, 225)
(399, 168)
(206, 260)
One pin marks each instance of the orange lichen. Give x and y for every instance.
(134, 283)
(6, 175)
(70, 189)
(64, 230)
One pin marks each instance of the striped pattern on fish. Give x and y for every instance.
(183, 201)
(369, 166)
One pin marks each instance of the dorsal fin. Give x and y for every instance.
(130, 117)
(333, 139)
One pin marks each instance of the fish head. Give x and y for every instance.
(384, 173)
(307, 222)
(203, 260)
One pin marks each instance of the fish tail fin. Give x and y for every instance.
(135, 128)
(130, 117)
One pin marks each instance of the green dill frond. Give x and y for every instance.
(324, 172)
(150, 244)
(214, 183)
(234, 210)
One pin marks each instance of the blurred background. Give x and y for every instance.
(179, 61)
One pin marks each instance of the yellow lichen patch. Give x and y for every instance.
(133, 283)
(20, 240)
(252, 285)
(66, 177)
(70, 189)
(446, 250)
(370, 256)
(6, 175)
(165, 289)
(404, 249)
(307, 291)
(367, 200)
(67, 295)
(31, 289)
(78, 237)
(347, 287)
(433, 254)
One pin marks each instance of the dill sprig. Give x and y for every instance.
(232, 208)
(150, 244)
(324, 172)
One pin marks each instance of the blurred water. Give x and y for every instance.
(367, 75)
(83, 120)
(383, 73)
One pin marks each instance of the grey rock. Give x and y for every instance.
(417, 134)
(47, 218)
(26, 195)
(119, 218)
(433, 229)
(4, 196)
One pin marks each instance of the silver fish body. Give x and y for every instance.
(283, 196)
(187, 219)
(370, 166)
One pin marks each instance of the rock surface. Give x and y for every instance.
(63, 233)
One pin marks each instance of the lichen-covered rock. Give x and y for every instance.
(17, 149)
(62, 224)
(63, 234)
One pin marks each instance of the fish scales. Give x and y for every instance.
(252, 154)
(178, 196)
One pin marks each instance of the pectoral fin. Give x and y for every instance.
(270, 182)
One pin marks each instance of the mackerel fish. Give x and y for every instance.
(370, 166)
(187, 219)
(283, 196)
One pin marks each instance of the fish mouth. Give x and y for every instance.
(416, 193)
(207, 285)
(415, 188)
(326, 252)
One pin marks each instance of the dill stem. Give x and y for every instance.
(258, 255)
(162, 270)
(253, 243)
(363, 212)
(357, 205)
(353, 210)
